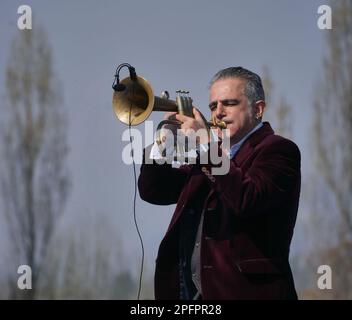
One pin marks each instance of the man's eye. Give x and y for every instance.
(212, 107)
(230, 102)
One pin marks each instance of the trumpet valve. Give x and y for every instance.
(165, 95)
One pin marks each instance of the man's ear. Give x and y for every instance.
(259, 108)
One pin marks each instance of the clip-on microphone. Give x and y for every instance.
(117, 86)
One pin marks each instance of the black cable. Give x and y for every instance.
(134, 208)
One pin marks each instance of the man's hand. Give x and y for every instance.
(194, 128)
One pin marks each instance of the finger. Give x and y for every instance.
(182, 118)
(197, 114)
(199, 117)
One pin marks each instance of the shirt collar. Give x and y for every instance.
(237, 145)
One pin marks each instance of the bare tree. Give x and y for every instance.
(332, 132)
(34, 178)
(333, 114)
(278, 112)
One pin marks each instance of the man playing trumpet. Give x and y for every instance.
(230, 235)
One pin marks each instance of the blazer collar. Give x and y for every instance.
(248, 145)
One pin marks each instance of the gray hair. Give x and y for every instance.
(253, 90)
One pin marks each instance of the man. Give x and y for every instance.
(230, 235)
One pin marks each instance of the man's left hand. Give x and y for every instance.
(194, 127)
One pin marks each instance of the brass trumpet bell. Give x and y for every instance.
(133, 105)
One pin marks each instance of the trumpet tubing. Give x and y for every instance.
(136, 102)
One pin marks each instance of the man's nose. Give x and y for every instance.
(220, 111)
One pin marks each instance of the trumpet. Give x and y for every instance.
(134, 101)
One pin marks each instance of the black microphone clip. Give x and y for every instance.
(117, 86)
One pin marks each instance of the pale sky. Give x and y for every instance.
(175, 45)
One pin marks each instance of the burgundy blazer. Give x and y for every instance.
(249, 218)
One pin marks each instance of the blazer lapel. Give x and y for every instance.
(247, 147)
